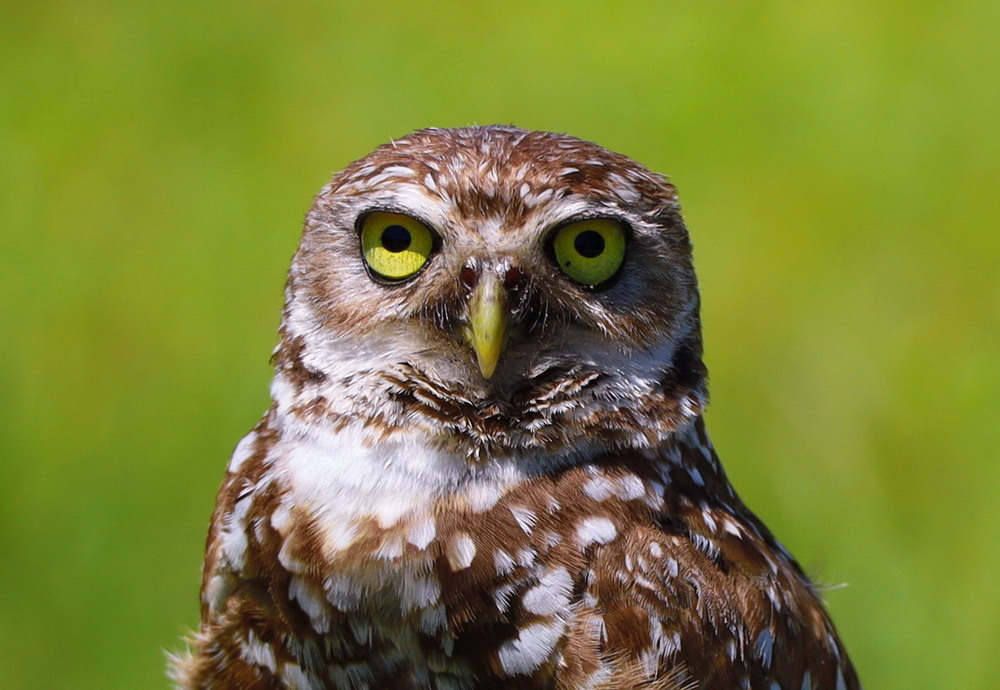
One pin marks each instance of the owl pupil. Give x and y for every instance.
(396, 238)
(589, 243)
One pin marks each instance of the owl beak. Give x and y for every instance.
(488, 322)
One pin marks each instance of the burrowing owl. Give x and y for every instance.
(485, 464)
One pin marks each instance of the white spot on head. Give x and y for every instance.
(655, 549)
(596, 530)
(538, 198)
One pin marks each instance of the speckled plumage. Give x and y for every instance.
(399, 520)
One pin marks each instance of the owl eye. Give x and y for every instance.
(590, 251)
(395, 246)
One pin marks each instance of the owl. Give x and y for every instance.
(485, 464)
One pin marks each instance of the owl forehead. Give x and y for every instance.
(501, 178)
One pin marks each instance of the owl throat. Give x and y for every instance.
(562, 413)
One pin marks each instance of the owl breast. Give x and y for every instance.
(449, 577)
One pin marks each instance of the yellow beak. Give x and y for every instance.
(488, 322)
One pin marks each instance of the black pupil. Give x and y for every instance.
(589, 243)
(396, 238)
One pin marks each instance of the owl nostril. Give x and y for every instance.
(514, 278)
(469, 277)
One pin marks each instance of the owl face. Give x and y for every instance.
(495, 262)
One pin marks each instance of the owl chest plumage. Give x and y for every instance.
(362, 572)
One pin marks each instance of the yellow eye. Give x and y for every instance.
(590, 251)
(395, 246)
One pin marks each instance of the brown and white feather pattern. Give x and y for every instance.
(396, 521)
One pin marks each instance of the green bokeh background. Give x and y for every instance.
(839, 164)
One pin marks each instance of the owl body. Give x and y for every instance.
(485, 464)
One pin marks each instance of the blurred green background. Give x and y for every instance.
(839, 163)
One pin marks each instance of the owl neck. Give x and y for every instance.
(561, 415)
(395, 441)
(357, 471)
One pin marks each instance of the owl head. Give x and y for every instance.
(505, 282)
